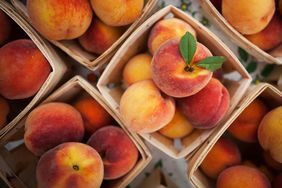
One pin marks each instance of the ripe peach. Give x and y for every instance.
(60, 20)
(23, 69)
(271, 162)
(5, 26)
(99, 37)
(223, 155)
(207, 107)
(248, 17)
(117, 12)
(245, 127)
(242, 176)
(144, 109)
(138, 68)
(118, 152)
(277, 182)
(169, 70)
(165, 30)
(269, 133)
(4, 111)
(70, 164)
(270, 37)
(93, 114)
(50, 125)
(178, 127)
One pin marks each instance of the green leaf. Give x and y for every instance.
(243, 54)
(158, 164)
(187, 47)
(252, 67)
(211, 63)
(267, 70)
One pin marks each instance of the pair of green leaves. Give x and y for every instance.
(188, 46)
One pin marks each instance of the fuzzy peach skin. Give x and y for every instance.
(6, 28)
(51, 124)
(223, 154)
(248, 17)
(242, 176)
(117, 12)
(23, 69)
(178, 127)
(60, 20)
(69, 165)
(264, 169)
(170, 74)
(165, 30)
(137, 68)
(270, 37)
(4, 111)
(144, 109)
(99, 37)
(207, 107)
(245, 127)
(93, 114)
(269, 133)
(118, 152)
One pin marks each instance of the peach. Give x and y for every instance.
(4, 111)
(242, 176)
(118, 152)
(222, 155)
(269, 133)
(70, 164)
(93, 114)
(165, 30)
(137, 68)
(117, 12)
(245, 127)
(178, 127)
(277, 182)
(99, 37)
(271, 162)
(23, 69)
(144, 109)
(60, 20)
(207, 107)
(270, 37)
(248, 17)
(6, 28)
(170, 73)
(264, 169)
(51, 124)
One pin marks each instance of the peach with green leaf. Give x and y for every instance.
(181, 68)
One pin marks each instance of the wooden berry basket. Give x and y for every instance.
(136, 43)
(195, 175)
(22, 169)
(57, 65)
(237, 37)
(90, 60)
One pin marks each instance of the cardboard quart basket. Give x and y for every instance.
(57, 65)
(87, 59)
(21, 170)
(237, 37)
(137, 43)
(271, 96)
